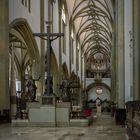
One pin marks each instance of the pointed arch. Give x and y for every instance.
(65, 73)
(97, 84)
(25, 35)
(26, 52)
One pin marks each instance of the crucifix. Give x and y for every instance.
(49, 37)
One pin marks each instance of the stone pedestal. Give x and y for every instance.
(49, 114)
(42, 116)
(62, 114)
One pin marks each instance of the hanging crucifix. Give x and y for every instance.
(50, 37)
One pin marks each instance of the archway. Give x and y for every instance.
(24, 58)
(97, 84)
(65, 74)
(92, 91)
(98, 91)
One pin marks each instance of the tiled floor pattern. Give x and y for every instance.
(103, 128)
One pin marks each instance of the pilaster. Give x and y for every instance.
(42, 44)
(120, 54)
(4, 53)
(136, 53)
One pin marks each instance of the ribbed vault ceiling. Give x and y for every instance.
(93, 20)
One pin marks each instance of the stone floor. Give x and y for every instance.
(103, 128)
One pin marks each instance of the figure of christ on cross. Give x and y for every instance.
(50, 38)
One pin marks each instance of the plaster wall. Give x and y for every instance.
(106, 81)
(18, 10)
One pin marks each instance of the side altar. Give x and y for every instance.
(47, 112)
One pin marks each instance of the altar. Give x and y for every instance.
(42, 114)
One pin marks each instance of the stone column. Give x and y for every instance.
(42, 44)
(13, 97)
(4, 55)
(128, 47)
(60, 48)
(113, 59)
(136, 47)
(84, 71)
(80, 75)
(120, 54)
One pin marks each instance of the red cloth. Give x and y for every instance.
(87, 112)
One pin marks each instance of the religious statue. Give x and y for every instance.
(31, 89)
(65, 87)
(98, 106)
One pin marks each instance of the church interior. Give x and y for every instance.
(69, 69)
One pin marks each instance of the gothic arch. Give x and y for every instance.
(22, 26)
(97, 84)
(26, 52)
(65, 73)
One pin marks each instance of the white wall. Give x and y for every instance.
(106, 81)
(18, 10)
(93, 95)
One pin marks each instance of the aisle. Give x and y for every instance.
(103, 128)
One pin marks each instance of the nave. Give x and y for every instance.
(90, 51)
(103, 127)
